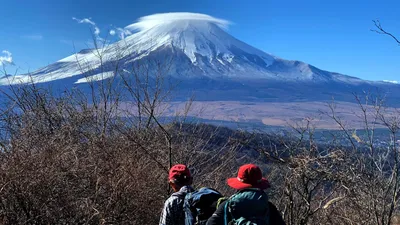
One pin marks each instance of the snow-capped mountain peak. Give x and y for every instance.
(199, 45)
(193, 36)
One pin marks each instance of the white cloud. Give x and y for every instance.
(6, 59)
(35, 37)
(122, 33)
(96, 29)
(148, 22)
(85, 20)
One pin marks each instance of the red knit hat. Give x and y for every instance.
(178, 171)
(249, 176)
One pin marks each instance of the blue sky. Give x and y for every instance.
(331, 35)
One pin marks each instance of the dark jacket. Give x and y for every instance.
(218, 217)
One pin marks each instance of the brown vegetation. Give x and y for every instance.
(66, 160)
(103, 157)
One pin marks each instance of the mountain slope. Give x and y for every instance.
(206, 60)
(198, 47)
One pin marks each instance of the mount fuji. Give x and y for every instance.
(200, 48)
(205, 59)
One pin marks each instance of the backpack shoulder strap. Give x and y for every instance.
(220, 201)
(190, 214)
(226, 212)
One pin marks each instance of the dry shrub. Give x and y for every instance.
(63, 163)
(69, 160)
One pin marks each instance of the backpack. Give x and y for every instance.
(200, 205)
(247, 207)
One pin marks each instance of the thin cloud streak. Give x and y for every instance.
(36, 37)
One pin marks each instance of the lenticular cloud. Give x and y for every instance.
(148, 22)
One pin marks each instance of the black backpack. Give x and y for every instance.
(200, 205)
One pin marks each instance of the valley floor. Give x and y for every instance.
(278, 114)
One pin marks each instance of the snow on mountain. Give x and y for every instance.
(391, 81)
(199, 45)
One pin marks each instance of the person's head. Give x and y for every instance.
(249, 176)
(179, 176)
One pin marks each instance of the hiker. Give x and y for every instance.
(250, 204)
(180, 181)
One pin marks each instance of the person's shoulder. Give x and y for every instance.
(186, 189)
(173, 199)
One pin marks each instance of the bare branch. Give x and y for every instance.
(379, 29)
